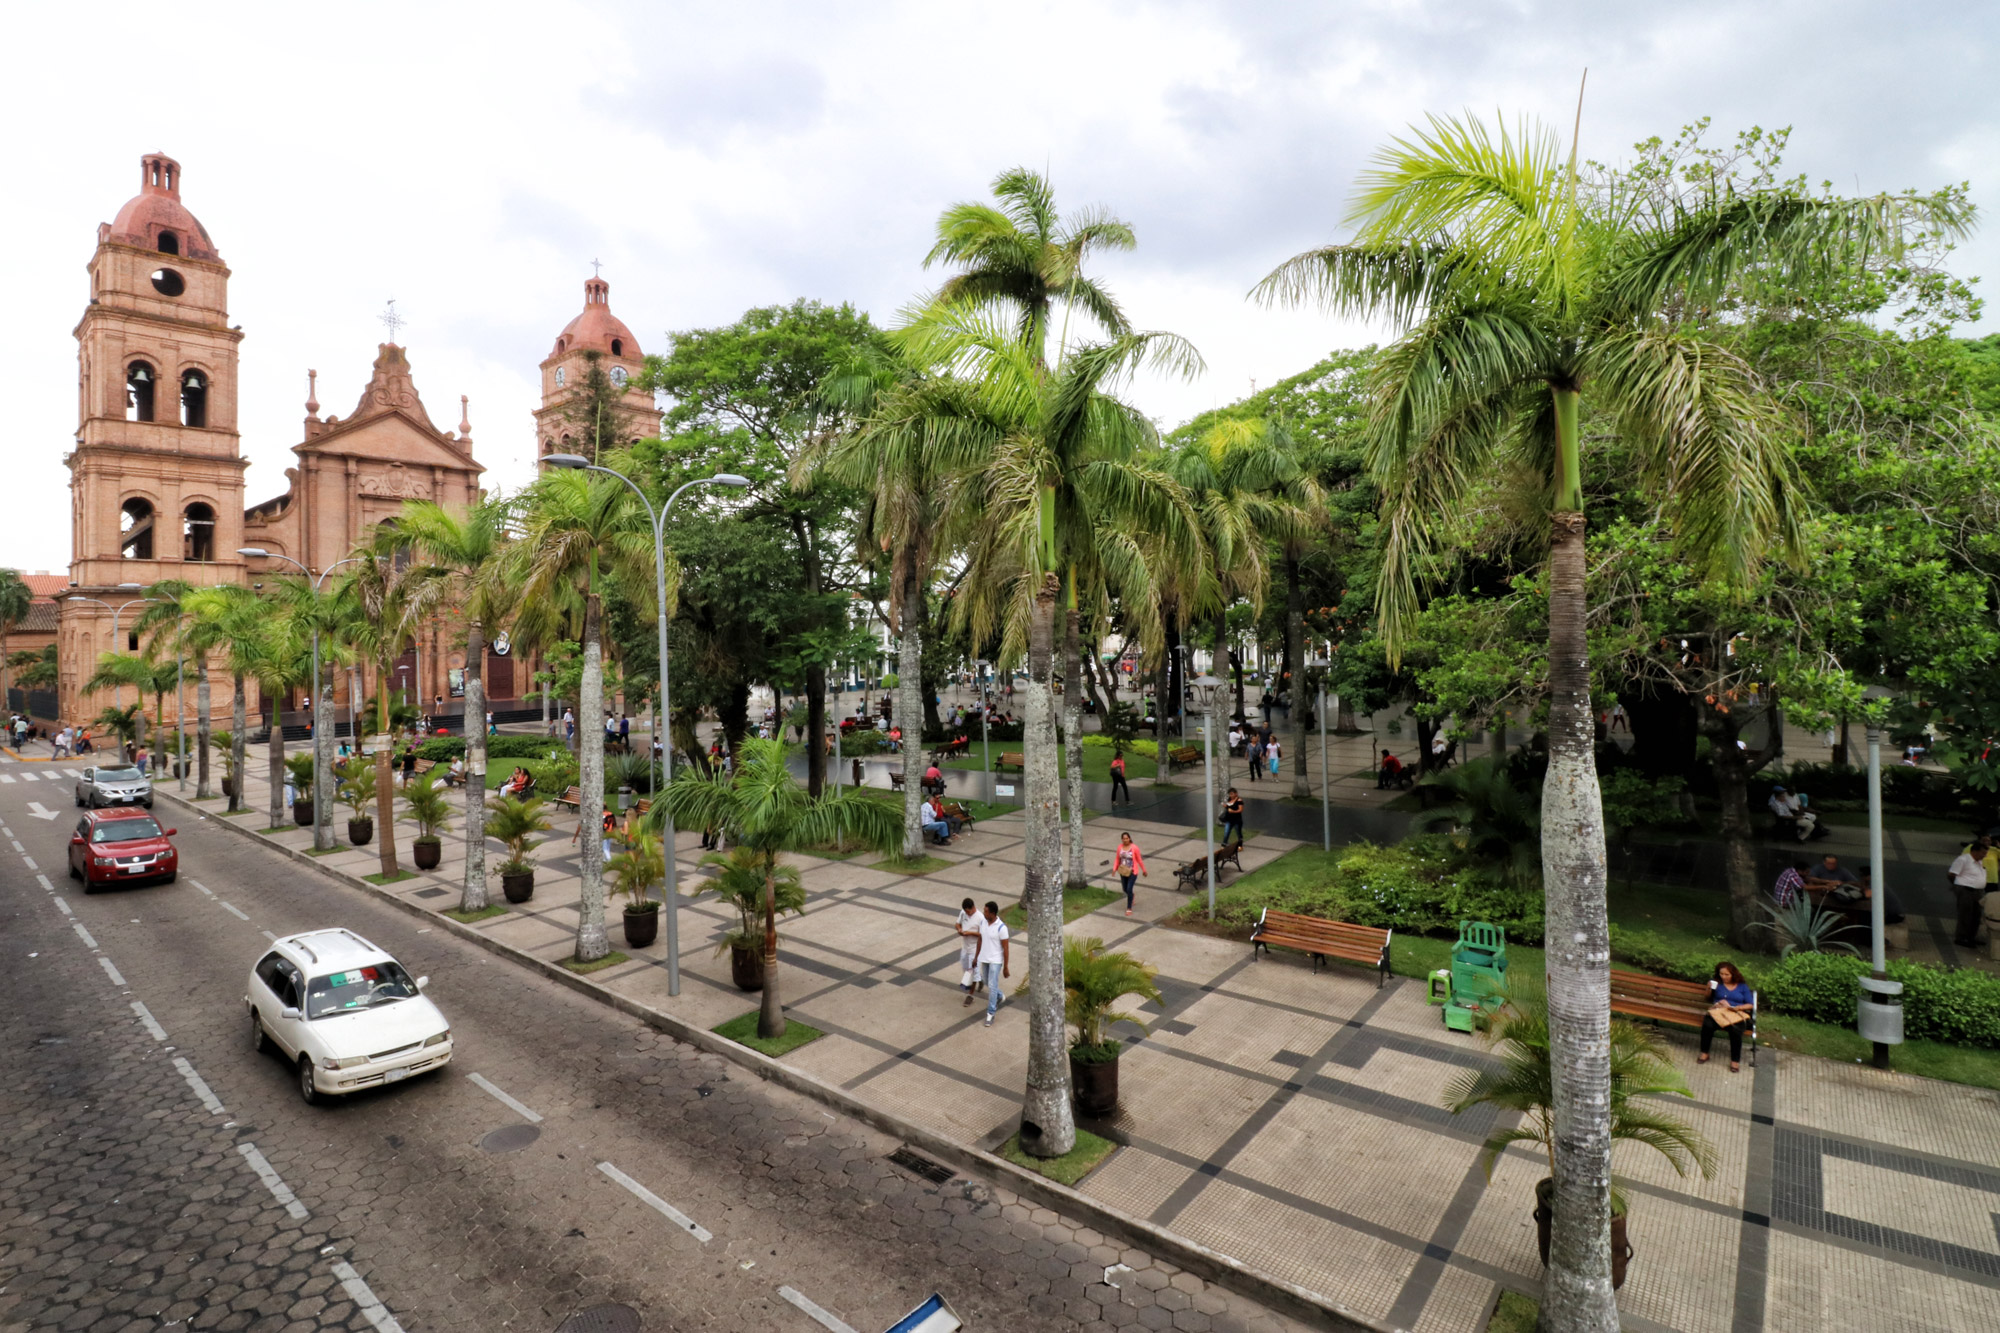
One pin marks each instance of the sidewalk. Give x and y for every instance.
(1292, 1120)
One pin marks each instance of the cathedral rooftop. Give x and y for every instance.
(597, 329)
(156, 212)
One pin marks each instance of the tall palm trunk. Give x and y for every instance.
(1295, 648)
(770, 1012)
(473, 899)
(1048, 1128)
(324, 726)
(909, 701)
(591, 941)
(385, 777)
(1072, 715)
(276, 745)
(239, 718)
(201, 729)
(1578, 1296)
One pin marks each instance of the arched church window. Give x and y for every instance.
(135, 529)
(561, 378)
(168, 283)
(194, 399)
(170, 244)
(198, 533)
(138, 392)
(617, 349)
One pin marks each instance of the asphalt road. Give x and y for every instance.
(156, 1174)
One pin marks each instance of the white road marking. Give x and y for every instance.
(63, 907)
(29, 862)
(6, 779)
(232, 911)
(43, 880)
(819, 1315)
(203, 887)
(269, 936)
(659, 1205)
(364, 1300)
(505, 1100)
(73, 772)
(279, 1190)
(201, 1089)
(40, 811)
(28, 777)
(152, 1023)
(111, 972)
(17, 846)
(77, 926)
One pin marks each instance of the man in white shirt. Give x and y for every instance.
(934, 821)
(1791, 814)
(1968, 885)
(993, 960)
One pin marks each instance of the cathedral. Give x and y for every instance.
(156, 473)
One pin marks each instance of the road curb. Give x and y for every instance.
(1208, 1264)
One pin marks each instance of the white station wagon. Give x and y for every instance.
(345, 1013)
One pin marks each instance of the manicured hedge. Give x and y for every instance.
(1415, 885)
(447, 748)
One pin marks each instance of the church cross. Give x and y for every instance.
(595, 268)
(391, 320)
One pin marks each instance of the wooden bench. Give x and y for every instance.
(1667, 1000)
(950, 750)
(1011, 759)
(1195, 873)
(1185, 756)
(956, 814)
(1323, 940)
(573, 798)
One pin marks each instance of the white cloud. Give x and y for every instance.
(471, 160)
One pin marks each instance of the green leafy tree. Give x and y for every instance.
(1518, 302)
(15, 599)
(35, 668)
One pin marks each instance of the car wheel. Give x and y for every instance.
(79, 800)
(308, 1093)
(258, 1041)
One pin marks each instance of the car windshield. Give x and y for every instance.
(362, 988)
(124, 830)
(119, 775)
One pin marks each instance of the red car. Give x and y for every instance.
(120, 845)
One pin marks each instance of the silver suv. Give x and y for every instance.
(119, 785)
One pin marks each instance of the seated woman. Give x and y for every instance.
(1728, 991)
(519, 783)
(933, 780)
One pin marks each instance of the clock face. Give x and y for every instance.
(561, 376)
(618, 376)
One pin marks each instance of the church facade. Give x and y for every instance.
(157, 473)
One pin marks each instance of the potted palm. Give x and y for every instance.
(226, 742)
(300, 766)
(634, 872)
(1093, 981)
(516, 822)
(740, 883)
(356, 790)
(1523, 1082)
(428, 806)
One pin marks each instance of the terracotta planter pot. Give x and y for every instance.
(302, 813)
(1095, 1086)
(229, 788)
(746, 967)
(1621, 1251)
(427, 851)
(360, 832)
(519, 887)
(641, 927)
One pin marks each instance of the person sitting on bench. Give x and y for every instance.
(1729, 992)
(935, 824)
(1792, 815)
(934, 780)
(1391, 773)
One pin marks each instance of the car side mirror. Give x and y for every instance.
(288, 1013)
(171, 832)
(423, 982)
(88, 773)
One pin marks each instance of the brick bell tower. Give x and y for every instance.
(595, 338)
(156, 482)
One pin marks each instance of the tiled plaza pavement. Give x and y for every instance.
(1292, 1120)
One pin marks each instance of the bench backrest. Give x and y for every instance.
(1649, 989)
(1341, 934)
(1013, 759)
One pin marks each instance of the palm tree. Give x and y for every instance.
(1519, 300)
(1064, 497)
(35, 668)
(125, 721)
(15, 599)
(227, 619)
(198, 636)
(1019, 255)
(280, 661)
(392, 599)
(768, 814)
(580, 527)
(117, 670)
(467, 552)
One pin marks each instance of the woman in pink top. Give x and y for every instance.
(1129, 863)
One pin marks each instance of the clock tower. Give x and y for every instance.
(156, 482)
(596, 341)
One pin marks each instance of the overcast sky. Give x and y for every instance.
(470, 161)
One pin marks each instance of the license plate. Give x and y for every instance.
(395, 1076)
(137, 870)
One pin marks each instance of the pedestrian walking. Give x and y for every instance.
(569, 725)
(491, 730)
(1968, 885)
(1273, 752)
(968, 949)
(1118, 777)
(993, 959)
(1253, 750)
(625, 732)
(1232, 816)
(1128, 862)
(1618, 720)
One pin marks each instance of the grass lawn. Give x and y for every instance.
(1515, 1314)
(977, 809)
(1096, 761)
(612, 959)
(743, 1031)
(379, 878)
(1076, 903)
(1197, 831)
(1071, 1167)
(486, 913)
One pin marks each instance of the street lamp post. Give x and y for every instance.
(1205, 686)
(1880, 1022)
(117, 611)
(322, 709)
(1320, 664)
(576, 462)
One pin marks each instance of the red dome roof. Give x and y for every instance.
(597, 329)
(157, 209)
